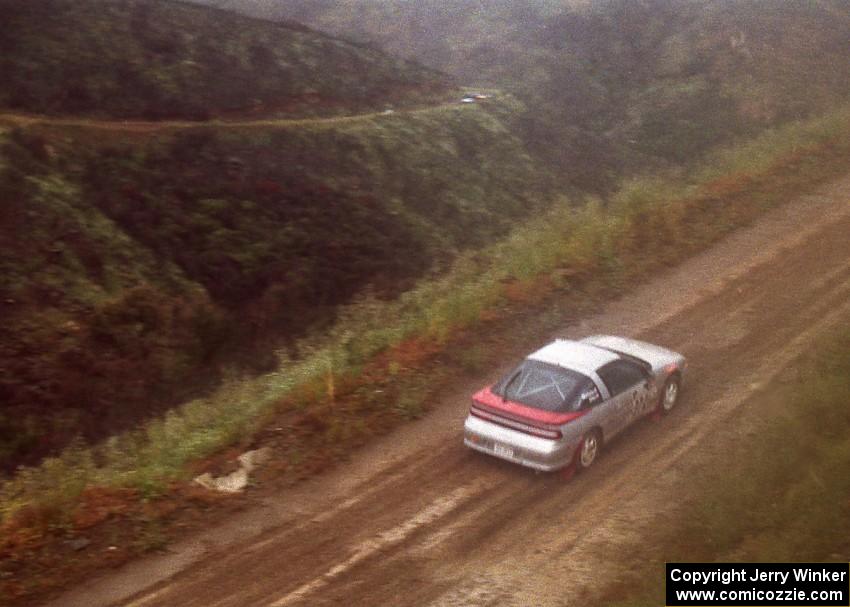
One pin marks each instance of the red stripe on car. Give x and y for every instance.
(519, 411)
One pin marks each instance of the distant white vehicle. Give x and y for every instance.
(473, 97)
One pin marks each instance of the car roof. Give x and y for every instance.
(581, 357)
(649, 353)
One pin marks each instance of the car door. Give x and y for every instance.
(626, 382)
(638, 393)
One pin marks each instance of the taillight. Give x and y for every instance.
(553, 433)
(541, 430)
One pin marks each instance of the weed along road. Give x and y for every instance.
(417, 519)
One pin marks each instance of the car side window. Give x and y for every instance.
(620, 375)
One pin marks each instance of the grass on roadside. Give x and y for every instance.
(375, 344)
(782, 498)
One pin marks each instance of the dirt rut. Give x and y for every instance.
(417, 519)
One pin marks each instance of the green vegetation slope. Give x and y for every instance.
(136, 265)
(166, 59)
(615, 85)
(141, 264)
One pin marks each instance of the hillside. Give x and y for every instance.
(166, 59)
(141, 265)
(615, 86)
(221, 234)
(136, 265)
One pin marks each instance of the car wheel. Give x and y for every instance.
(588, 450)
(669, 395)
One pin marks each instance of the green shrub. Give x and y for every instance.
(592, 244)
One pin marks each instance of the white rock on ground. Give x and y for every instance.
(235, 482)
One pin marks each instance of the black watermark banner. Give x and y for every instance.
(760, 584)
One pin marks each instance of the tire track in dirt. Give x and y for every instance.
(740, 312)
(590, 533)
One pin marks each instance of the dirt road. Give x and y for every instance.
(419, 520)
(153, 126)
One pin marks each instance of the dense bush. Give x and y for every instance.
(373, 341)
(156, 60)
(139, 268)
(240, 230)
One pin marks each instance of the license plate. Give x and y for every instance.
(502, 450)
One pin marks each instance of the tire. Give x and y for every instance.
(669, 395)
(588, 450)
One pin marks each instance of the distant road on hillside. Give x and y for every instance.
(143, 126)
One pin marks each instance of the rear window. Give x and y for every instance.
(543, 386)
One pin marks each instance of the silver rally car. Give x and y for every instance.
(558, 406)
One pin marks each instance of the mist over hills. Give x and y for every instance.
(289, 228)
(614, 86)
(138, 264)
(156, 60)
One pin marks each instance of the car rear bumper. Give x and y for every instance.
(517, 447)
